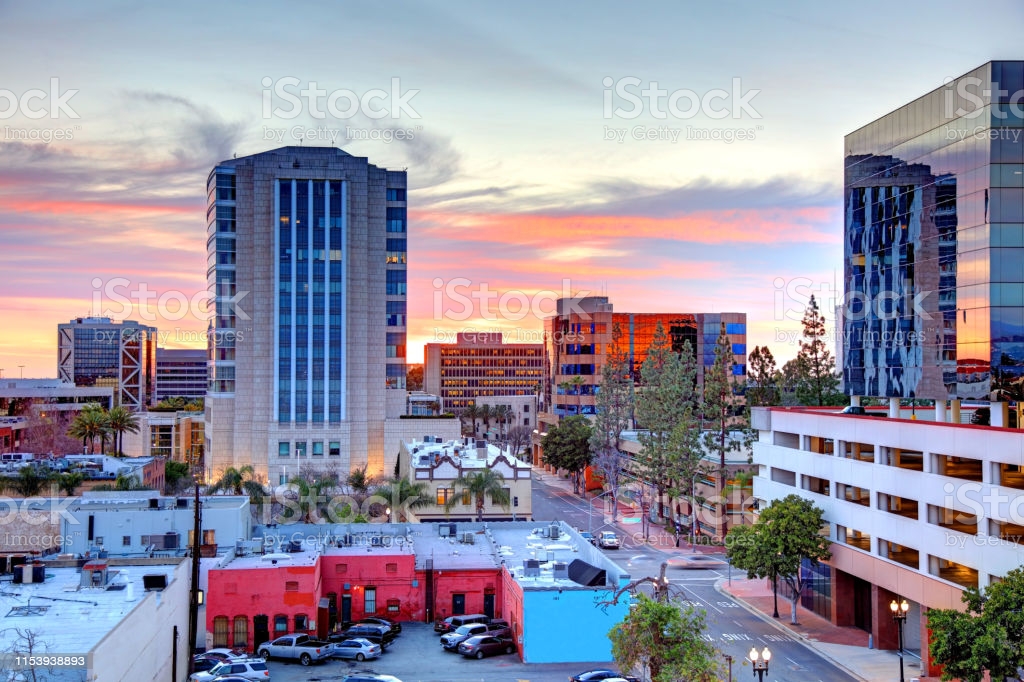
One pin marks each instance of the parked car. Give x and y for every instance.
(393, 625)
(378, 634)
(454, 622)
(854, 409)
(247, 669)
(600, 675)
(356, 648)
(486, 645)
(696, 561)
(496, 628)
(588, 536)
(301, 648)
(206, 660)
(608, 540)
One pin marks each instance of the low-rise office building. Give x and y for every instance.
(918, 508)
(480, 366)
(538, 577)
(438, 464)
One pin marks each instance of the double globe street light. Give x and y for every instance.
(760, 662)
(899, 616)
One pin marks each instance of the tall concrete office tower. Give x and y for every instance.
(307, 260)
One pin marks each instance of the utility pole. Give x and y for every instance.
(193, 602)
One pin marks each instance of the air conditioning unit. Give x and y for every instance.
(545, 532)
(561, 570)
(466, 537)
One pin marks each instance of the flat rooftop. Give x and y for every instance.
(68, 618)
(450, 546)
(464, 452)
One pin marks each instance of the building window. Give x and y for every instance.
(394, 606)
(220, 631)
(396, 194)
(391, 568)
(335, 449)
(301, 623)
(300, 448)
(280, 625)
(340, 569)
(318, 448)
(465, 497)
(283, 448)
(240, 637)
(444, 494)
(370, 601)
(126, 540)
(291, 586)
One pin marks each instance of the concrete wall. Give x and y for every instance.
(140, 647)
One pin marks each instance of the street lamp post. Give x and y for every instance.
(590, 517)
(899, 616)
(760, 662)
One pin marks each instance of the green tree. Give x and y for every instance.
(468, 417)
(567, 446)
(818, 382)
(29, 482)
(485, 414)
(69, 482)
(402, 495)
(727, 428)
(614, 407)
(787, 532)
(479, 485)
(121, 420)
(359, 481)
(687, 462)
(518, 437)
(667, 640)
(175, 475)
(240, 481)
(414, 378)
(987, 636)
(666, 391)
(762, 386)
(88, 425)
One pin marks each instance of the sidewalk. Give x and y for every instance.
(846, 647)
(629, 522)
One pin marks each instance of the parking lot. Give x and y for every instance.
(416, 656)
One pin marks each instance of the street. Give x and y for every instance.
(730, 626)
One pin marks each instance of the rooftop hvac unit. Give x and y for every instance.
(550, 556)
(545, 532)
(376, 541)
(293, 546)
(182, 503)
(531, 568)
(466, 537)
(561, 570)
(154, 503)
(346, 540)
(154, 582)
(555, 531)
(446, 529)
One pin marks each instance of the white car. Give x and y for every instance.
(608, 540)
(250, 668)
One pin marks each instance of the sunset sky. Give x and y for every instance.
(514, 181)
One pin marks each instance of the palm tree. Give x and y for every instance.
(88, 425)
(402, 494)
(241, 481)
(485, 413)
(471, 413)
(68, 483)
(478, 485)
(121, 420)
(501, 413)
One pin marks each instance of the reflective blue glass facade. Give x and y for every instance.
(310, 305)
(220, 278)
(934, 243)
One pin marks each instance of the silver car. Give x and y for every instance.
(357, 648)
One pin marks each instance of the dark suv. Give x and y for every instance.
(378, 634)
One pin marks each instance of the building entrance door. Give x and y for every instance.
(346, 608)
(489, 604)
(458, 604)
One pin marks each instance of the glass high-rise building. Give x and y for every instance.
(97, 351)
(934, 244)
(307, 259)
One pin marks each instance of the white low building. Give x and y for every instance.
(105, 621)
